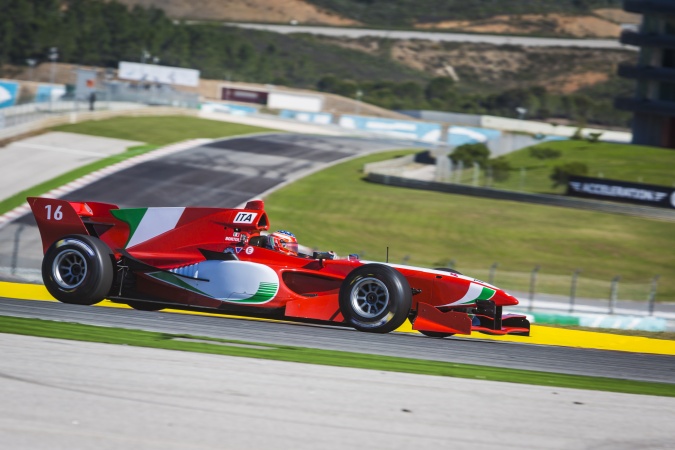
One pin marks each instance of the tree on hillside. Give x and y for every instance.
(468, 154)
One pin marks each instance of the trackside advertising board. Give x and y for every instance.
(152, 73)
(405, 129)
(622, 191)
(9, 93)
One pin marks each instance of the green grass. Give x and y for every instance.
(336, 209)
(633, 163)
(156, 131)
(137, 338)
(160, 130)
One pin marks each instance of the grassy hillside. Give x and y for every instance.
(634, 163)
(159, 130)
(337, 210)
(406, 12)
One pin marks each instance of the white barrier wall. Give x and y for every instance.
(296, 102)
(526, 126)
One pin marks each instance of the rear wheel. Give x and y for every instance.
(78, 269)
(375, 298)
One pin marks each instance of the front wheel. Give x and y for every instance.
(78, 269)
(375, 298)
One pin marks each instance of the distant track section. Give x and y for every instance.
(356, 33)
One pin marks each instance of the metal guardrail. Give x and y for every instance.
(46, 120)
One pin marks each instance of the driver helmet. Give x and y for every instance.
(284, 242)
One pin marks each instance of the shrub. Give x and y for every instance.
(561, 174)
(544, 153)
(500, 168)
(470, 154)
(594, 137)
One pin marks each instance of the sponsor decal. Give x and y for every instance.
(621, 191)
(238, 249)
(232, 239)
(228, 281)
(245, 217)
(249, 250)
(618, 191)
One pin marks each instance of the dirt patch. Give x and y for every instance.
(619, 16)
(481, 66)
(246, 11)
(568, 84)
(543, 24)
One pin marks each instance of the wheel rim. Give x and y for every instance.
(69, 269)
(369, 297)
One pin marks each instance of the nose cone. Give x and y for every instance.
(503, 298)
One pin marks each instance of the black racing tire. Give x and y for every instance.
(78, 269)
(435, 334)
(375, 298)
(447, 269)
(146, 306)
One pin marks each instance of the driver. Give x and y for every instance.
(284, 242)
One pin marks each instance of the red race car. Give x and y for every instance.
(223, 260)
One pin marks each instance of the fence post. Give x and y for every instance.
(613, 293)
(15, 253)
(533, 282)
(493, 267)
(476, 173)
(652, 295)
(573, 288)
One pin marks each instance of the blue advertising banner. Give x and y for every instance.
(471, 135)
(622, 191)
(9, 93)
(235, 110)
(421, 131)
(302, 116)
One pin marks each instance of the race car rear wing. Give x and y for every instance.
(57, 218)
(136, 228)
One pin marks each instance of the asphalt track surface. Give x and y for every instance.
(439, 36)
(60, 394)
(576, 361)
